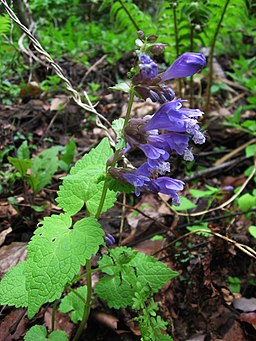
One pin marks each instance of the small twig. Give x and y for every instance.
(215, 168)
(92, 68)
(233, 152)
(226, 203)
(244, 248)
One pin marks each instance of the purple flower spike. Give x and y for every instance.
(148, 67)
(186, 65)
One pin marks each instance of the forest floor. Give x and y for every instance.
(214, 298)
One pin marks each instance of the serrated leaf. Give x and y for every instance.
(84, 184)
(96, 159)
(39, 333)
(130, 268)
(55, 254)
(12, 287)
(74, 302)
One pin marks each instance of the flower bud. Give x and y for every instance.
(152, 38)
(157, 49)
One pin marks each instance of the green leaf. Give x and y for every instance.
(252, 231)
(129, 267)
(5, 23)
(125, 87)
(39, 333)
(44, 165)
(55, 256)
(84, 184)
(20, 165)
(246, 202)
(23, 151)
(196, 193)
(234, 284)
(250, 150)
(202, 226)
(68, 155)
(185, 204)
(74, 302)
(12, 287)
(118, 125)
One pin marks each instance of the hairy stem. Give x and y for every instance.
(129, 15)
(210, 60)
(87, 307)
(129, 108)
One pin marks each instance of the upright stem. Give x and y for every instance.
(210, 60)
(129, 108)
(129, 15)
(87, 307)
(174, 6)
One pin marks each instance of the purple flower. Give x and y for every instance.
(186, 65)
(168, 186)
(141, 179)
(109, 239)
(148, 67)
(171, 116)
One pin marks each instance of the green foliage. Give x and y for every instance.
(247, 201)
(39, 333)
(74, 303)
(234, 284)
(151, 325)
(5, 23)
(54, 258)
(84, 184)
(42, 167)
(252, 231)
(126, 268)
(127, 16)
(67, 155)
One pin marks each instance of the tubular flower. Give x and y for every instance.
(142, 179)
(181, 124)
(149, 84)
(186, 65)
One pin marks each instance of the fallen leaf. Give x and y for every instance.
(3, 234)
(245, 304)
(11, 255)
(61, 321)
(249, 318)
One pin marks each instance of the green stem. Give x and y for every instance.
(102, 199)
(129, 15)
(129, 108)
(174, 6)
(87, 307)
(210, 59)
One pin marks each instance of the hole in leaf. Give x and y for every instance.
(53, 239)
